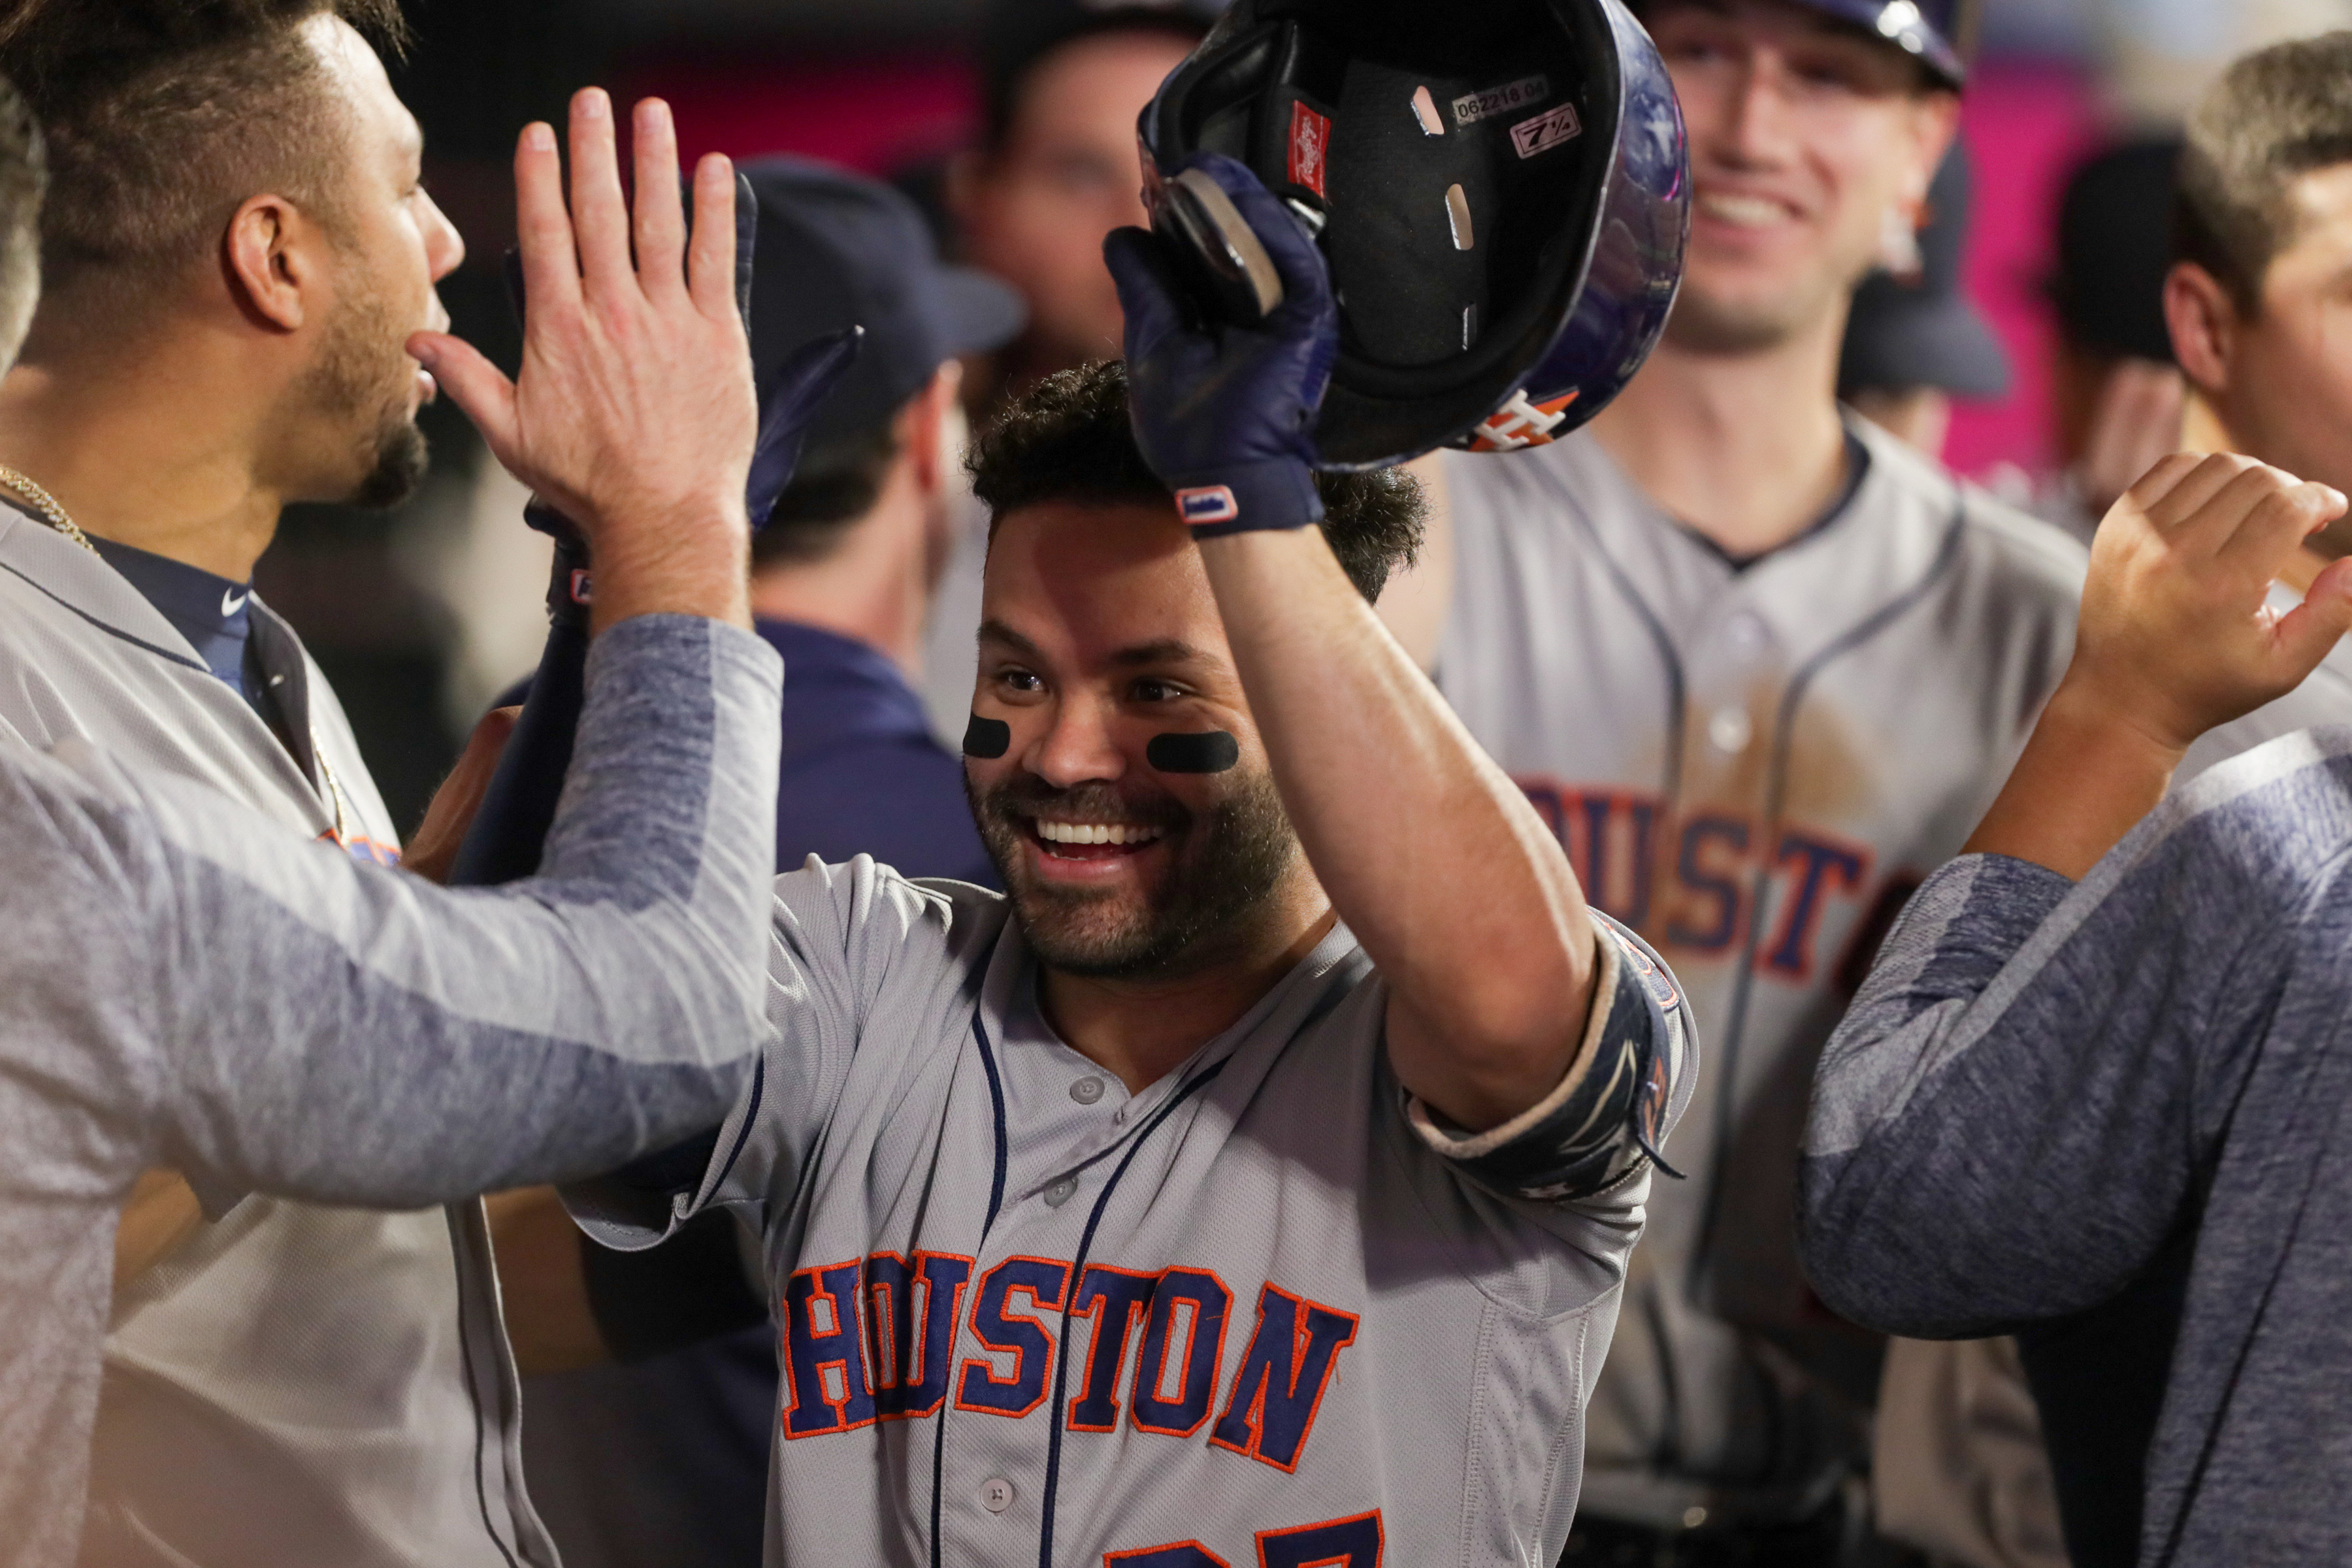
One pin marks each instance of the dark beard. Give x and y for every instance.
(1223, 875)
(401, 459)
(364, 373)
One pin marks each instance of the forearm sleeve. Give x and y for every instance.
(2005, 1124)
(340, 1032)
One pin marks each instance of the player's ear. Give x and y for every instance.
(2203, 320)
(273, 262)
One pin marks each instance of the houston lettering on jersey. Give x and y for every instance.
(1697, 901)
(876, 1340)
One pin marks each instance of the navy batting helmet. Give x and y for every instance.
(1502, 192)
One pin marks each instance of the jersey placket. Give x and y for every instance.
(1072, 1131)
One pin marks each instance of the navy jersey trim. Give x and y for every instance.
(717, 1179)
(995, 1205)
(996, 1104)
(1677, 696)
(114, 631)
(1077, 1269)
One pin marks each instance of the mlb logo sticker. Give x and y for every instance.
(583, 586)
(1310, 139)
(1545, 130)
(1212, 503)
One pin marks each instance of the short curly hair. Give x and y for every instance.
(1068, 439)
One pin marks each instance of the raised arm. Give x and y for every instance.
(2176, 639)
(326, 1029)
(2007, 1123)
(1433, 859)
(296, 1022)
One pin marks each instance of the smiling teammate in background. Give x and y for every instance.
(1758, 667)
(236, 249)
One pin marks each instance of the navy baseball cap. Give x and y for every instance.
(1016, 34)
(1939, 34)
(836, 249)
(1925, 332)
(2114, 250)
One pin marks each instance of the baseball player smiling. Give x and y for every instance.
(1760, 667)
(1249, 1185)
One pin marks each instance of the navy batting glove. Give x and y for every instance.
(1226, 415)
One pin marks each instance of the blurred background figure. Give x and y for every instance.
(662, 1461)
(2115, 394)
(1053, 171)
(1915, 343)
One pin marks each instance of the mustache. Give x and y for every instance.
(1027, 797)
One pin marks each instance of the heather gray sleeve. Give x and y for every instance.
(2007, 1122)
(327, 1029)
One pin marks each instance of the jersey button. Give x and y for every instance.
(1086, 1090)
(1059, 1193)
(996, 1495)
(1729, 730)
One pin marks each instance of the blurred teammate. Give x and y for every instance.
(663, 1462)
(2264, 234)
(237, 248)
(2263, 228)
(2145, 1019)
(1758, 667)
(186, 980)
(2114, 391)
(1056, 170)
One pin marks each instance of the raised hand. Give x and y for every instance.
(634, 413)
(1224, 414)
(2176, 636)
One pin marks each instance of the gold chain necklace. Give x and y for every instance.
(47, 504)
(55, 516)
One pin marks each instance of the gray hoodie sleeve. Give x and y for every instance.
(2011, 1117)
(291, 1020)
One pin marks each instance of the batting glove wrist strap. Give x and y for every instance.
(1273, 495)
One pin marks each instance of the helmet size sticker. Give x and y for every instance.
(1311, 139)
(1545, 130)
(1473, 106)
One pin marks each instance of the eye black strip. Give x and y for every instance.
(1209, 752)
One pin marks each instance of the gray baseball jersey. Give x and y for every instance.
(185, 984)
(1752, 765)
(1265, 1311)
(383, 1434)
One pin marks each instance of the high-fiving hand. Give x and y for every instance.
(634, 413)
